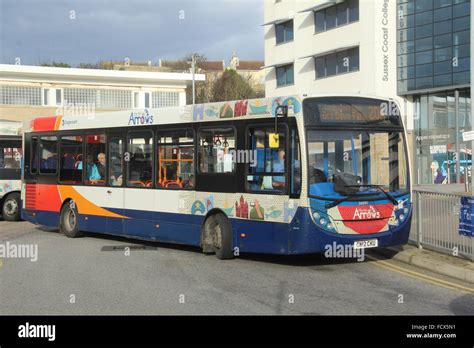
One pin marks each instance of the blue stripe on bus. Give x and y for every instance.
(260, 236)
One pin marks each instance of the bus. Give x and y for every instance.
(287, 175)
(10, 169)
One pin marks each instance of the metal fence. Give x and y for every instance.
(435, 224)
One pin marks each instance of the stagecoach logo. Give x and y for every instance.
(140, 118)
(366, 213)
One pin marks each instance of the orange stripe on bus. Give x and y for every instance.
(84, 206)
(58, 122)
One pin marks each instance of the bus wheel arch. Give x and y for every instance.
(11, 206)
(216, 234)
(69, 219)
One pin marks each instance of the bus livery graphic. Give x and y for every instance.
(323, 169)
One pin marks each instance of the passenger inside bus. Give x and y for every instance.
(116, 172)
(279, 167)
(101, 165)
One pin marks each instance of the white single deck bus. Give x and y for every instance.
(10, 169)
(287, 175)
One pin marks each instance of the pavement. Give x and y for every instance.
(443, 264)
(94, 275)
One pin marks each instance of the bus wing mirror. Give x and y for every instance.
(281, 111)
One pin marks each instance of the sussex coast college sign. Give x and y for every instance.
(385, 39)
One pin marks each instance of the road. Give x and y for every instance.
(95, 275)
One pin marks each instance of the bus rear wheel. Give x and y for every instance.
(218, 236)
(69, 221)
(11, 207)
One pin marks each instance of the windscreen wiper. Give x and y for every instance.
(339, 201)
(379, 187)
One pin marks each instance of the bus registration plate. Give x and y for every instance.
(368, 243)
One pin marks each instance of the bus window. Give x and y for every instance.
(140, 169)
(176, 160)
(267, 172)
(295, 183)
(10, 154)
(48, 154)
(70, 167)
(95, 160)
(34, 155)
(216, 149)
(116, 152)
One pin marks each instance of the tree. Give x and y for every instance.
(232, 86)
(56, 64)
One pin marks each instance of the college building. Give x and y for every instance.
(416, 52)
(33, 91)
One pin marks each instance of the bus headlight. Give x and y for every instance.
(405, 210)
(401, 217)
(316, 215)
(330, 226)
(322, 221)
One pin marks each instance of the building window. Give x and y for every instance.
(80, 96)
(438, 126)
(114, 99)
(337, 63)
(215, 150)
(164, 99)
(19, 95)
(436, 31)
(336, 16)
(176, 160)
(52, 97)
(141, 100)
(284, 32)
(285, 75)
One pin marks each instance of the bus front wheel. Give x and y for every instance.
(218, 236)
(69, 220)
(11, 207)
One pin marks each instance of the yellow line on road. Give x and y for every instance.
(426, 278)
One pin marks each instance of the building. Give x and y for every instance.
(415, 52)
(251, 70)
(33, 91)
(433, 73)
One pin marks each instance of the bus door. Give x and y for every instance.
(115, 189)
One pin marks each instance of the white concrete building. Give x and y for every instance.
(417, 52)
(330, 46)
(32, 91)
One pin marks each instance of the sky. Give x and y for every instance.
(87, 31)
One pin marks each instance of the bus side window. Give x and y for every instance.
(267, 172)
(295, 183)
(48, 154)
(176, 160)
(215, 150)
(140, 168)
(34, 155)
(10, 154)
(70, 169)
(95, 160)
(116, 165)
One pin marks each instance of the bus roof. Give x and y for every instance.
(75, 118)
